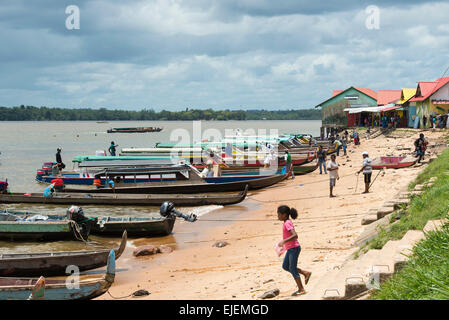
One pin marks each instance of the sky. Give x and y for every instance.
(220, 54)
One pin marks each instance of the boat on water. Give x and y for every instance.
(49, 264)
(392, 162)
(134, 129)
(125, 199)
(37, 227)
(89, 287)
(187, 180)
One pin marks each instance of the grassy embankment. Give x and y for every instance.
(426, 274)
(432, 204)
(425, 277)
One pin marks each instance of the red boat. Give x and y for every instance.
(393, 162)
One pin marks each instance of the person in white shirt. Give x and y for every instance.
(367, 170)
(332, 168)
(208, 171)
(269, 160)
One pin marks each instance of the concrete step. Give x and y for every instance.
(349, 281)
(433, 225)
(397, 203)
(369, 218)
(382, 212)
(405, 247)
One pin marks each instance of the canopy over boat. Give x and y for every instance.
(119, 158)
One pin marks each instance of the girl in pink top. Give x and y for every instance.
(291, 244)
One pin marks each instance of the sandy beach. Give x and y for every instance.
(248, 266)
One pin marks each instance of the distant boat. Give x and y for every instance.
(134, 129)
(102, 121)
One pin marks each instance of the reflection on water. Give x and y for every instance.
(24, 146)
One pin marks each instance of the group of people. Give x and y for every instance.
(393, 121)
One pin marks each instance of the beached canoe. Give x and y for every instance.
(27, 228)
(125, 199)
(57, 289)
(55, 263)
(393, 162)
(305, 168)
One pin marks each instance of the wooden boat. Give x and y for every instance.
(55, 263)
(57, 289)
(125, 199)
(184, 183)
(135, 226)
(134, 130)
(392, 162)
(51, 229)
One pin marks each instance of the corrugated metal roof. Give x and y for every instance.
(407, 94)
(427, 88)
(385, 97)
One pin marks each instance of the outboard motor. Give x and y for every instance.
(76, 214)
(168, 210)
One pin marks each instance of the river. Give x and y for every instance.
(25, 145)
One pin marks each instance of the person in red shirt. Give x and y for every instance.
(291, 245)
(59, 184)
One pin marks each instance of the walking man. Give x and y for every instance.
(321, 155)
(367, 170)
(332, 167)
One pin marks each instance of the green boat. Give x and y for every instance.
(305, 168)
(52, 228)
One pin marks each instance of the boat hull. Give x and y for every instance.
(125, 200)
(55, 263)
(190, 188)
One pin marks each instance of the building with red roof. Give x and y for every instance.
(432, 98)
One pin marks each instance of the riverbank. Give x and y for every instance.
(248, 266)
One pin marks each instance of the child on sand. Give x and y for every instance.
(291, 244)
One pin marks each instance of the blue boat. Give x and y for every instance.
(88, 287)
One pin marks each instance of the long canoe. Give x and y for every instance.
(207, 185)
(57, 289)
(135, 226)
(55, 263)
(125, 199)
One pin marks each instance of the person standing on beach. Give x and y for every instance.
(288, 162)
(112, 148)
(338, 145)
(421, 146)
(332, 167)
(61, 164)
(321, 155)
(291, 245)
(367, 171)
(345, 146)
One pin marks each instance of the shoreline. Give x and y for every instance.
(248, 266)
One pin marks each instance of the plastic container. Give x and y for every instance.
(279, 250)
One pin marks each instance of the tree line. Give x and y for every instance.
(31, 113)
